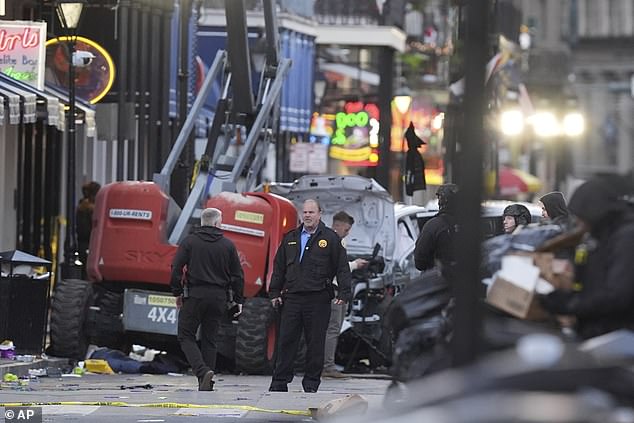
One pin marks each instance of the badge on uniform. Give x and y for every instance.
(292, 243)
(322, 243)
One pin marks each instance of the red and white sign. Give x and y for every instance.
(22, 51)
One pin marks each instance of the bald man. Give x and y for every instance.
(307, 260)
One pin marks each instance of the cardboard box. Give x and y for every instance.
(563, 274)
(514, 288)
(515, 300)
(558, 272)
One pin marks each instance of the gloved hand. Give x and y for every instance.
(276, 302)
(557, 302)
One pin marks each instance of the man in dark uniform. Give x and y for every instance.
(212, 268)
(434, 247)
(306, 262)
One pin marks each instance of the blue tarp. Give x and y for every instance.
(297, 92)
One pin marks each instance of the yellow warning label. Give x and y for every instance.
(245, 216)
(161, 300)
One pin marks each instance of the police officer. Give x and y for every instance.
(212, 267)
(306, 262)
(514, 216)
(434, 245)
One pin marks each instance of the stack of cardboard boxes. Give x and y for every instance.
(524, 275)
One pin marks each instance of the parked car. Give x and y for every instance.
(491, 214)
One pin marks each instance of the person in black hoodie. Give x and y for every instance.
(606, 300)
(435, 244)
(554, 209)
(205, 267)
(83, 217)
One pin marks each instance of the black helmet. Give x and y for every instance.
(446, 194)
(521, 214)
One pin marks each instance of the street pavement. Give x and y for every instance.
(175, 398)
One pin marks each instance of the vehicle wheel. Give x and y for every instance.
(256, 337)
(69, 308)
(107, 330)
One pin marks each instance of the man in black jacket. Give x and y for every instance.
(306, 262)
(435, 244)
(209, 265)
(606, 300)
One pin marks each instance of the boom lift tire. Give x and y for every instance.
(255, 337)
(107, 329)
(69, 308)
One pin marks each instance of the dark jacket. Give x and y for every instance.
(323, 259)
(606, 300)
(83, 218)
(212, 262)
(435, 242)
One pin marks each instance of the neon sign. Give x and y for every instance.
(92, 82)
(321, 128)
(22, 51)
(356, 135)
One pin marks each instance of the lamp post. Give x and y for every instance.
(402, 102)
(69, 14)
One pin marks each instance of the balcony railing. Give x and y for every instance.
(347, 12)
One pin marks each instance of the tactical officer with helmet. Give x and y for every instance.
(307, 260)
(435, 243)
(514, 216)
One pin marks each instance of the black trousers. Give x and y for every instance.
(308, 312)
(206, 313)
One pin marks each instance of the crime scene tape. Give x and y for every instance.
(159, 405)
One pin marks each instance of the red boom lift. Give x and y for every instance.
(137, 226)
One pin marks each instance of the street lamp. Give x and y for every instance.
(574, 124)
(545, 124)
(512, 122)
(402, 100)
(69, 14)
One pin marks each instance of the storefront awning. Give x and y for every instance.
(84, 107)
(12, 102)
(24, 100)
(22, 103)
(370, 78)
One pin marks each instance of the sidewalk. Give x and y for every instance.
(21, 368)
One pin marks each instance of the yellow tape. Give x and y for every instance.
(158, 405)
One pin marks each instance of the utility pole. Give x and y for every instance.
(468, 314)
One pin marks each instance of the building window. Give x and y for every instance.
(617, 24)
